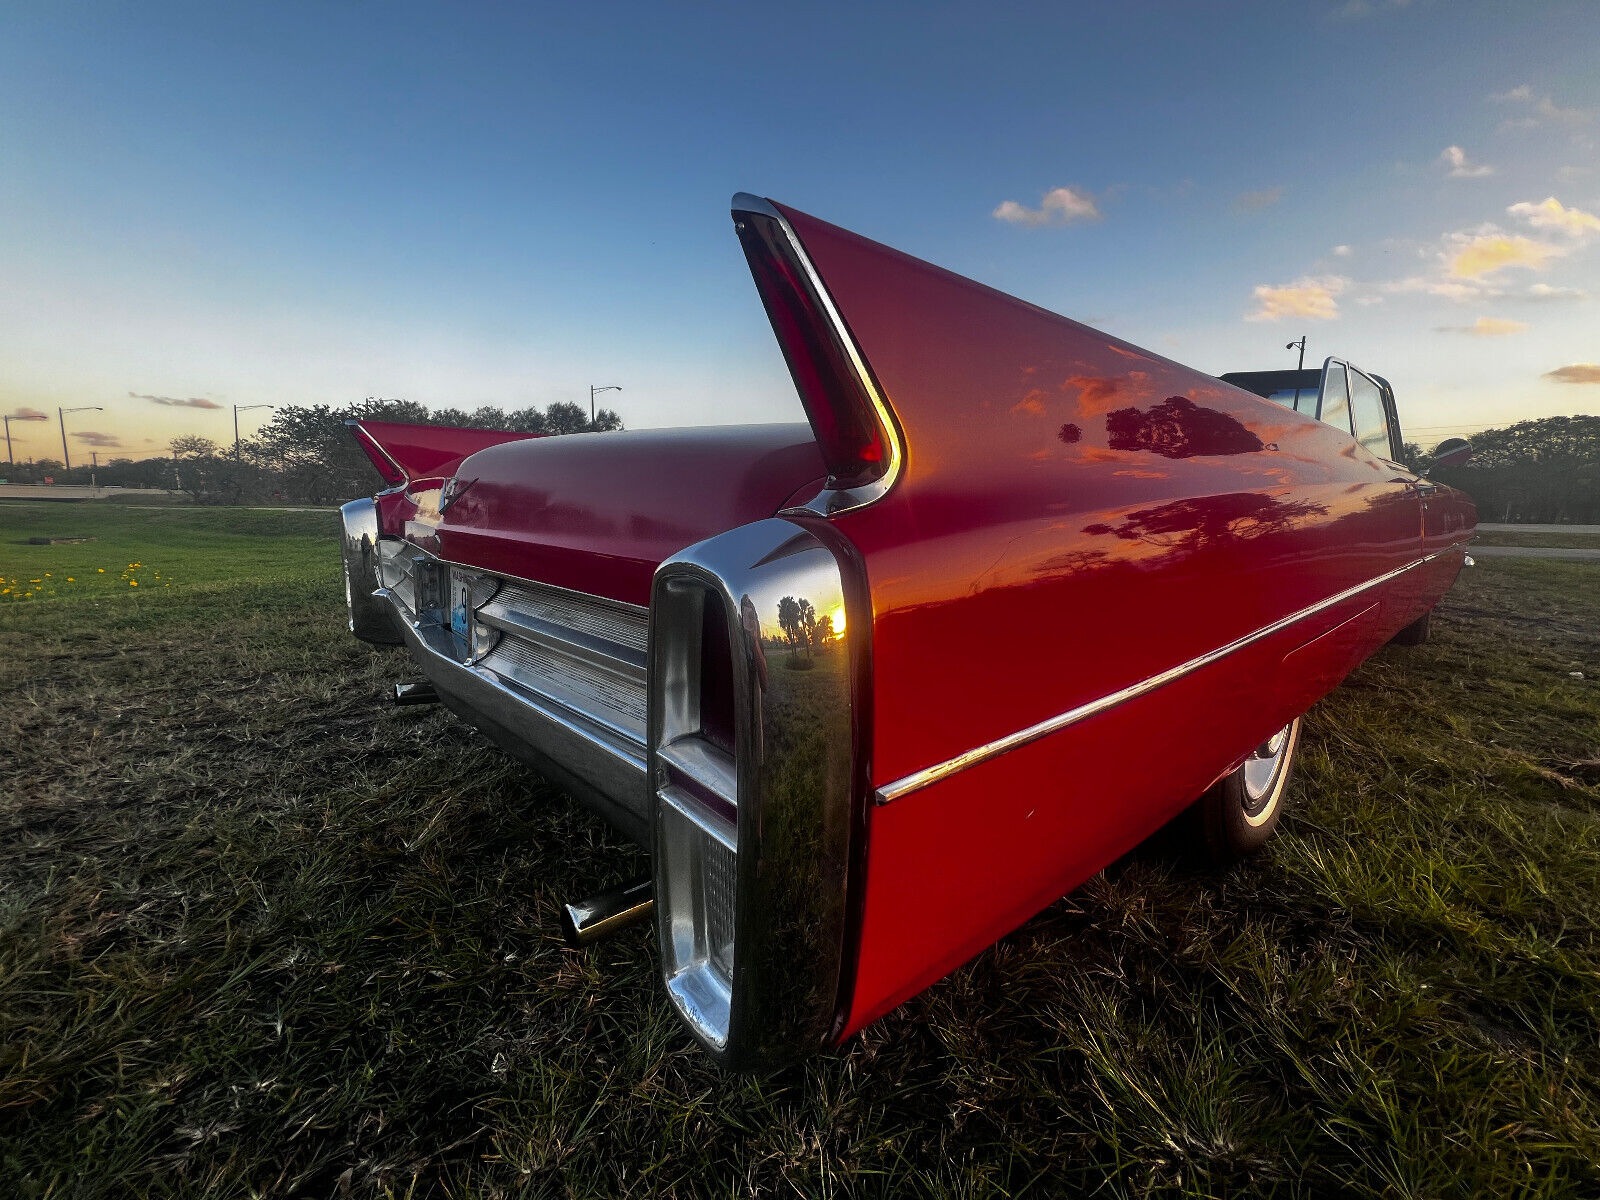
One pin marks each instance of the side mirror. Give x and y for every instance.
(1452, 452)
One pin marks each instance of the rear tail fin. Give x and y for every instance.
(405, 453)
(917, 379)
(860, 442)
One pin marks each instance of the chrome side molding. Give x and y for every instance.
(918, 780)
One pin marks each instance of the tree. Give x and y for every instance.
(192, 445)
(566, 417)
(1543, 470)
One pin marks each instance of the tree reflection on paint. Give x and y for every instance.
(1179, 428)
(1195, 524)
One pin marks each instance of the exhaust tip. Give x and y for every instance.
(415, 691)
(599, 916)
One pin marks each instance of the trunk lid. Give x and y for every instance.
(598, 512)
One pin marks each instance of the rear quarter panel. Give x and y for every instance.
(1076, 514)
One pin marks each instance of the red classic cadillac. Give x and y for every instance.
(875, 690)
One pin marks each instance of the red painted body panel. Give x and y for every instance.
(599, 512)
(428, 451)
(1076, 515)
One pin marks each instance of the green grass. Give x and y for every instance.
(1568, 541)
(262, 935)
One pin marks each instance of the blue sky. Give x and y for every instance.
(500, 204)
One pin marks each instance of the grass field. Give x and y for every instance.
(262, 935)
(1580, 541)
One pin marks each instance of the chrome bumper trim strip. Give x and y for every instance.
(918, 780)
(600, 653)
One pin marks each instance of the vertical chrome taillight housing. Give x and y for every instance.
(361, 547)
(754, 750)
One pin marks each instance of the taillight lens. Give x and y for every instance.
(387, 467)
(855, 445)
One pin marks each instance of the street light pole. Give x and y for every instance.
(24, 415)
(592, 392)
(237, 409)
(61, 415)
(1297, 389)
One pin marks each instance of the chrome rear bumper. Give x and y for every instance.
(554, 677)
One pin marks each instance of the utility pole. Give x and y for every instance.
(61, 415)
(592, 392)
(237, 409)
(25, 415)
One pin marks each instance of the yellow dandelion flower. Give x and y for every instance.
(102, 570)
(70, 579)
(133, 583)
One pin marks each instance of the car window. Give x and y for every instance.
(1368, 415)
(1299, 399)
(1335, 408)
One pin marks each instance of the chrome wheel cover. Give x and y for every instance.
(1264, 775)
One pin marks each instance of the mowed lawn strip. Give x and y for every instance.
(1568, 541)
(262, 934)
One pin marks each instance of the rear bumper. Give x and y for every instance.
(721, 735)
(607, 778)
(552, 677)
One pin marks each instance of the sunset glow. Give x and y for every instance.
(489, 227)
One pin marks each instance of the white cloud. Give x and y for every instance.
(1341, 251)
(1473, 255)
(1550, 213)
(1449, 289)
(1461, 167)
(1486, 327)
(1543, 107)
(1059, 206)
(1543, 291)
(1314, 299)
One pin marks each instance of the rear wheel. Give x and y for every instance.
(1414, 634)
(1238, 813)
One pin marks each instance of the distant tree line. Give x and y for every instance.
(1533, 471)
(304, 455)
(1543, 470)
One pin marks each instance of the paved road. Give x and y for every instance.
(1531, 552)
(1487, 528)
(70, 491)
